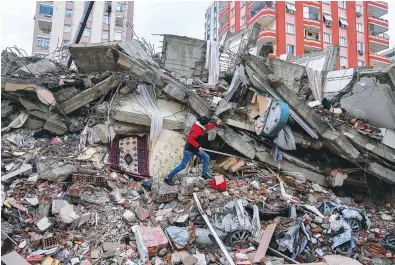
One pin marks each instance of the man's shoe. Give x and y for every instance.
(206, 177)
(169, 182)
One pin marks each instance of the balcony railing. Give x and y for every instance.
(312, 17)
(260, 6)
(379, 18)
(380, 35)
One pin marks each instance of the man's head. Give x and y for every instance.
(204, 120)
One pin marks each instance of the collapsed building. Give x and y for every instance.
(110, 131)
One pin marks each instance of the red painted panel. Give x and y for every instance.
(280, 27)
(299, 29)
(351, 34)
(237, 16)
(366, 30)
(335, 27)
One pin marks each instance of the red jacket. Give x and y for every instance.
(196, 135)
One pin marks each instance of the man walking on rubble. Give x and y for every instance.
(193, 147)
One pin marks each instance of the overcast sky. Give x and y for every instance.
(150, 17)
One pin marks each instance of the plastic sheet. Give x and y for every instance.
(145, 95)
(285, 139)
(212, 62)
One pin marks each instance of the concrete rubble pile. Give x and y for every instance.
(303, 167)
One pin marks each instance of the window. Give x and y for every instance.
(232, 12)
(290, 48)
(118, 35)
(46, 10)
(121, 7)
(232, 29)
(327, 37)
(243, 20)
(90, 17)
(359, 27)
(105, 34)
(326, 2)
(343, 22)
(342, 4)
(87, 32)
(105, 20)
(343, 62)
(67, 28)
(69, 12)
(358, 8)
(360, 46)
(40, 54)
(290, 28)
(242, 3)
(42, 42)
(361, 63)
(65, 43)
(343, 42)
(290, 8)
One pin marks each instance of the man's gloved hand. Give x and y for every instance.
(218, 122)
(200, 150)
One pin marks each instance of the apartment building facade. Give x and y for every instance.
(56, 23)
(300, 27)
(211, 22)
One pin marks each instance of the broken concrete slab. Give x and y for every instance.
(31, 105)
(235, 141)
(291, 167)
(130, 111)
(13, 258)
(56, 125)
(308, 119)
(54, 171)
(40, 67)
(185, 56)
(90, 94)
(122, 128)
(291, 73)
(22, 169)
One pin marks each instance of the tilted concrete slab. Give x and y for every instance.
(129, 110)
(90, 94)
(298, 105)
(290, 73)
(291, 167)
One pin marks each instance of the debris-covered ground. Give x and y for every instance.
(297, 178)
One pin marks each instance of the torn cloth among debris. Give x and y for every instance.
(145, 95)
(285, 139)
(212, 61)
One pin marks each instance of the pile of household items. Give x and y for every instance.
(303, 166)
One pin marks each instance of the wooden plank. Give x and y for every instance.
(23, 168)
(17, 87)
(267, 236)
(236, 167)
(232, 161)
(263, 103)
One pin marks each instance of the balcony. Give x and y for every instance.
(379, 61)
(222, 5)
(312, 44)
(262, 12)
(266, 36)
(377, 8)
(378, 41)
(44, 25)
(223, 29)
(223, 17)
(312, 4)
(311, 18)
(378, 24)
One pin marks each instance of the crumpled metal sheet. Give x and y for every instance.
(232, 216)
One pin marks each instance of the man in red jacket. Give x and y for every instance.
(192, 147)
